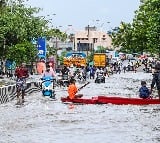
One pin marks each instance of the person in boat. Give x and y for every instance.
(72, 90)
(144, 92)
(21, 73)
(156, 78)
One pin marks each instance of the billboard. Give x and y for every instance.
(41, 46)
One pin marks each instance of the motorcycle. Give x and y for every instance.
(48, 87)
(100, 78)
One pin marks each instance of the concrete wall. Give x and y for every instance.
(8, 93)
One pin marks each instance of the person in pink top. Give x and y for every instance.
(49, 72)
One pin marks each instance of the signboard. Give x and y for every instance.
(10, 65)
(41, 46)
(76, 54)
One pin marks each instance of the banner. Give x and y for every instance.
(41, 46)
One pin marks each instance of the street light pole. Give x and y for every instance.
(88, 40)
(79, 46)
(56, 47)
(72, 37)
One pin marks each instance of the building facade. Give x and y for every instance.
(90, 39)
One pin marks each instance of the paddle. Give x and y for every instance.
(83, 86)
(80, 95)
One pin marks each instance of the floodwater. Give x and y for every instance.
(45, 121)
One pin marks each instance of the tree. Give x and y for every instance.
(100, 49)
(2, 5)
(61, 57)
(18, 52)
(146, 23)
(18, 26)
(123, 37)
(142, 35)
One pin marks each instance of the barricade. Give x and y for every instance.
(8, 93)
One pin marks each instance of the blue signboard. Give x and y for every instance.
(78, 54)
(41, 46)
(10, 65)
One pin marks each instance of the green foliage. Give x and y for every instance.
(100, 49)
(2, 5)
(143, 34)
(90, 57)
(24, 52)
(60, 58)
(56, 33)
(51, 51)
(18, 26)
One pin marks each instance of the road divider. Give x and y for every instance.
(8, 93)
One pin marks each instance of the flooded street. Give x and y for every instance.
(45, 121)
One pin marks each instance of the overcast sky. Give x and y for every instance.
(80, 13)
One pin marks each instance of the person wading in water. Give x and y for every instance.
(21, 73)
